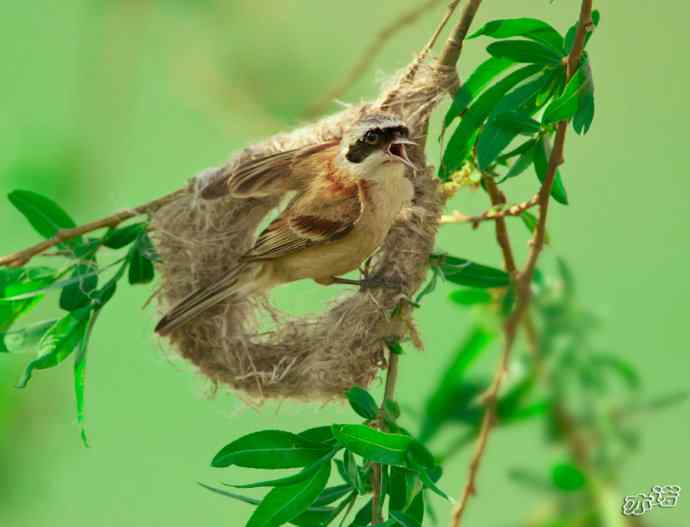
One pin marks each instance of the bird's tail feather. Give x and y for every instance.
(236, 283)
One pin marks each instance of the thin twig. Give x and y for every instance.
(524, 278)
(494, 213)
(407, 18)
(453, 48)
(22, 257)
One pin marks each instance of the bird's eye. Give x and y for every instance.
(371, 137)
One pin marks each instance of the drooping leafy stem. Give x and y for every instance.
(523, 278)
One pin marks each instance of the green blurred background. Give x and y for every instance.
(106, 104)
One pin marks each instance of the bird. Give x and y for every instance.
(349, 192)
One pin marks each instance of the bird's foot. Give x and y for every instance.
(369, 282)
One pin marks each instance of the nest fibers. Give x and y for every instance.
(310, 358)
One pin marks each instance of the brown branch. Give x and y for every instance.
(453, 48)
(493, 214)
(22, 257)
(407, 18)
(524, 278)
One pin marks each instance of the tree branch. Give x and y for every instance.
(453, 48)
(22, 257)
(495, 213)
(523, 279)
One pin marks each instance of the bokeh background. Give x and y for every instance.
(106, 104)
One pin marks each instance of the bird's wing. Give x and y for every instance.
(275, 173)
(309, 221)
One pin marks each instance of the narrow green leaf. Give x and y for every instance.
(299, 477)
(462, 141)
(525, 51)
(567, 104)
(380, 447)
(470, 296)
(141, 270)
(233, 495)
(463, 272)
(362, 402)
(623, 368)
(312, 518)
(430, 286)
(283, 504)
(270, 449)
(58, 342)
(499, 132)
(530, 221)
(473, 86)
(567, 477)
(529, 478)
(78, 293)
(363, 517)
(519, 166)
(445, 398)
(541, 154)
(582, 120)
(44, 215)
(429, 483)
(529, 28)
(80, 375)
(320, 434)
(14, 284)
(123, 236)
(404, 519)
(24, 339)
(332, 494)
(517, 151)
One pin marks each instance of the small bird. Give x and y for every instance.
(349, 192)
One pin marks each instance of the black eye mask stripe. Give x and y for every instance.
(359, 151)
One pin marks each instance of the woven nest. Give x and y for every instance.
(307, 358)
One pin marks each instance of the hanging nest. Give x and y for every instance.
(307, 358)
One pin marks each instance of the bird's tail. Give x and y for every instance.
(239, 283)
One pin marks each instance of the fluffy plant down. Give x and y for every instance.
(314, 357)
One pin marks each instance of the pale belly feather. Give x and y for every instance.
(386, 198)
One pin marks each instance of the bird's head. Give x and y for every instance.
(376, 141)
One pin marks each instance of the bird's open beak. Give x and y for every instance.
(397, 151)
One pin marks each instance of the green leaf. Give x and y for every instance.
(404, 519)
(517, 151)
(16, 282)
(429, 483)
(625, 369)
(363, 517)
(470, 296)
(123, 236)
(80, 374)
(565, 106)
(320, 434)
(473, 86)
(78, 293)
(270, 449)
(380, 447)
(582, 120)
(58, 342)
(499, 132)
(283, 504)
(430, 286)
(567, 477)
(541, 153)
(529, 478)
(445, 399)
(521, 164)
(44, 215)
(529, 28)
(312, 518)
(463, 272)
(141, 270)
(462, 141)
(303, 475)
(24, 339)
(362, 402)
(332, 494)
(525, 51)
(530, 221)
